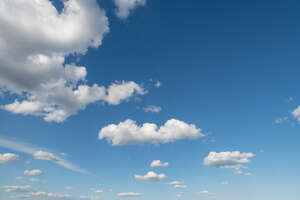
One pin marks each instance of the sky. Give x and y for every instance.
(148, 99)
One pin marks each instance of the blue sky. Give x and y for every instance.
(93, 91)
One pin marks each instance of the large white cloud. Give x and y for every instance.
(151, 176)
(8, 157)
(128, 132)
(35, 40)
(124, 7)
(233, 160)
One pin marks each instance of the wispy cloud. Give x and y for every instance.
(38, 154)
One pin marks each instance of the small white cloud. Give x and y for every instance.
(8, 157)
(20, 178)
(158, 163)
(68, 188)
(97, 191)
(174, 183)
(279, 120)
(224, 182)
(129, 194)
(179, 195)
(9, 189)
(205, 193)
(158, 84)
(33, 180)
(180, 186)
(296, 113)
(42, 155)
(230, 160)
(152, 108)
(151, 176)
(128, 132)
(34, 172)
(124, 7)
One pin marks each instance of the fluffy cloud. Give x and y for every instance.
(152, 108)
(151, 176)
(129, 194)
(128, 132)
(32, 62)
(158, 163)
(42, 155)
(234, 160)
(8, 157)
(33, 172)
(296, 113)
(125, 6)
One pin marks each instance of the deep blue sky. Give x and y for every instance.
(226, 66)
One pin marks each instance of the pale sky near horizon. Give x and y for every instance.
(149, 99)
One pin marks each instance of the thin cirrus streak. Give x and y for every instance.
(32, 150)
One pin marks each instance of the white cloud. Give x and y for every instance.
(224, 182)
(128, 132)
(233, 160)
(179, 195)
(97, 191)
(37, 154)
(42, 155)
(174, 183)
(158, 84)
(10, 189)
(34, 50)
(129, 194)
(68, 188)
(180, 186)
(124, 7)
(279, 120)
(151, 176)
(33, 180)
(33, 172)
(158, 163)
(296, 113)
(152, 108)
(8, 157)
(207, 194)
(19, 178)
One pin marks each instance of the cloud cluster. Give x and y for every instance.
(33, 58)
(158, 163)
(124, 7)
(151, 176)
(233, 160)
(8, 157)
(128, 132)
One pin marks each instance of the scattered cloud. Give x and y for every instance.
(152, 108)
(33, 180)
(128, 132)
(38, 154)
(279, 120)
(174, 183)
(15, 188)
(20, 178)
(158, 84)
(232, 160)
(224, 182)
(158, 163)
(8, 157)
(151, 176)
(124, 7)
(179, 195)
(97, 191)
(34, 172)
(207, 194)
(129, 194)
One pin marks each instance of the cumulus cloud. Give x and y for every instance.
(233, 160)
(33, 60)
(158, 163)
(33, 172)
(8, 157)
(128, 132)
(38, 154)
(152, 108)
(296, 113)
(124, 7)
(151, 176)
(129, 194)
